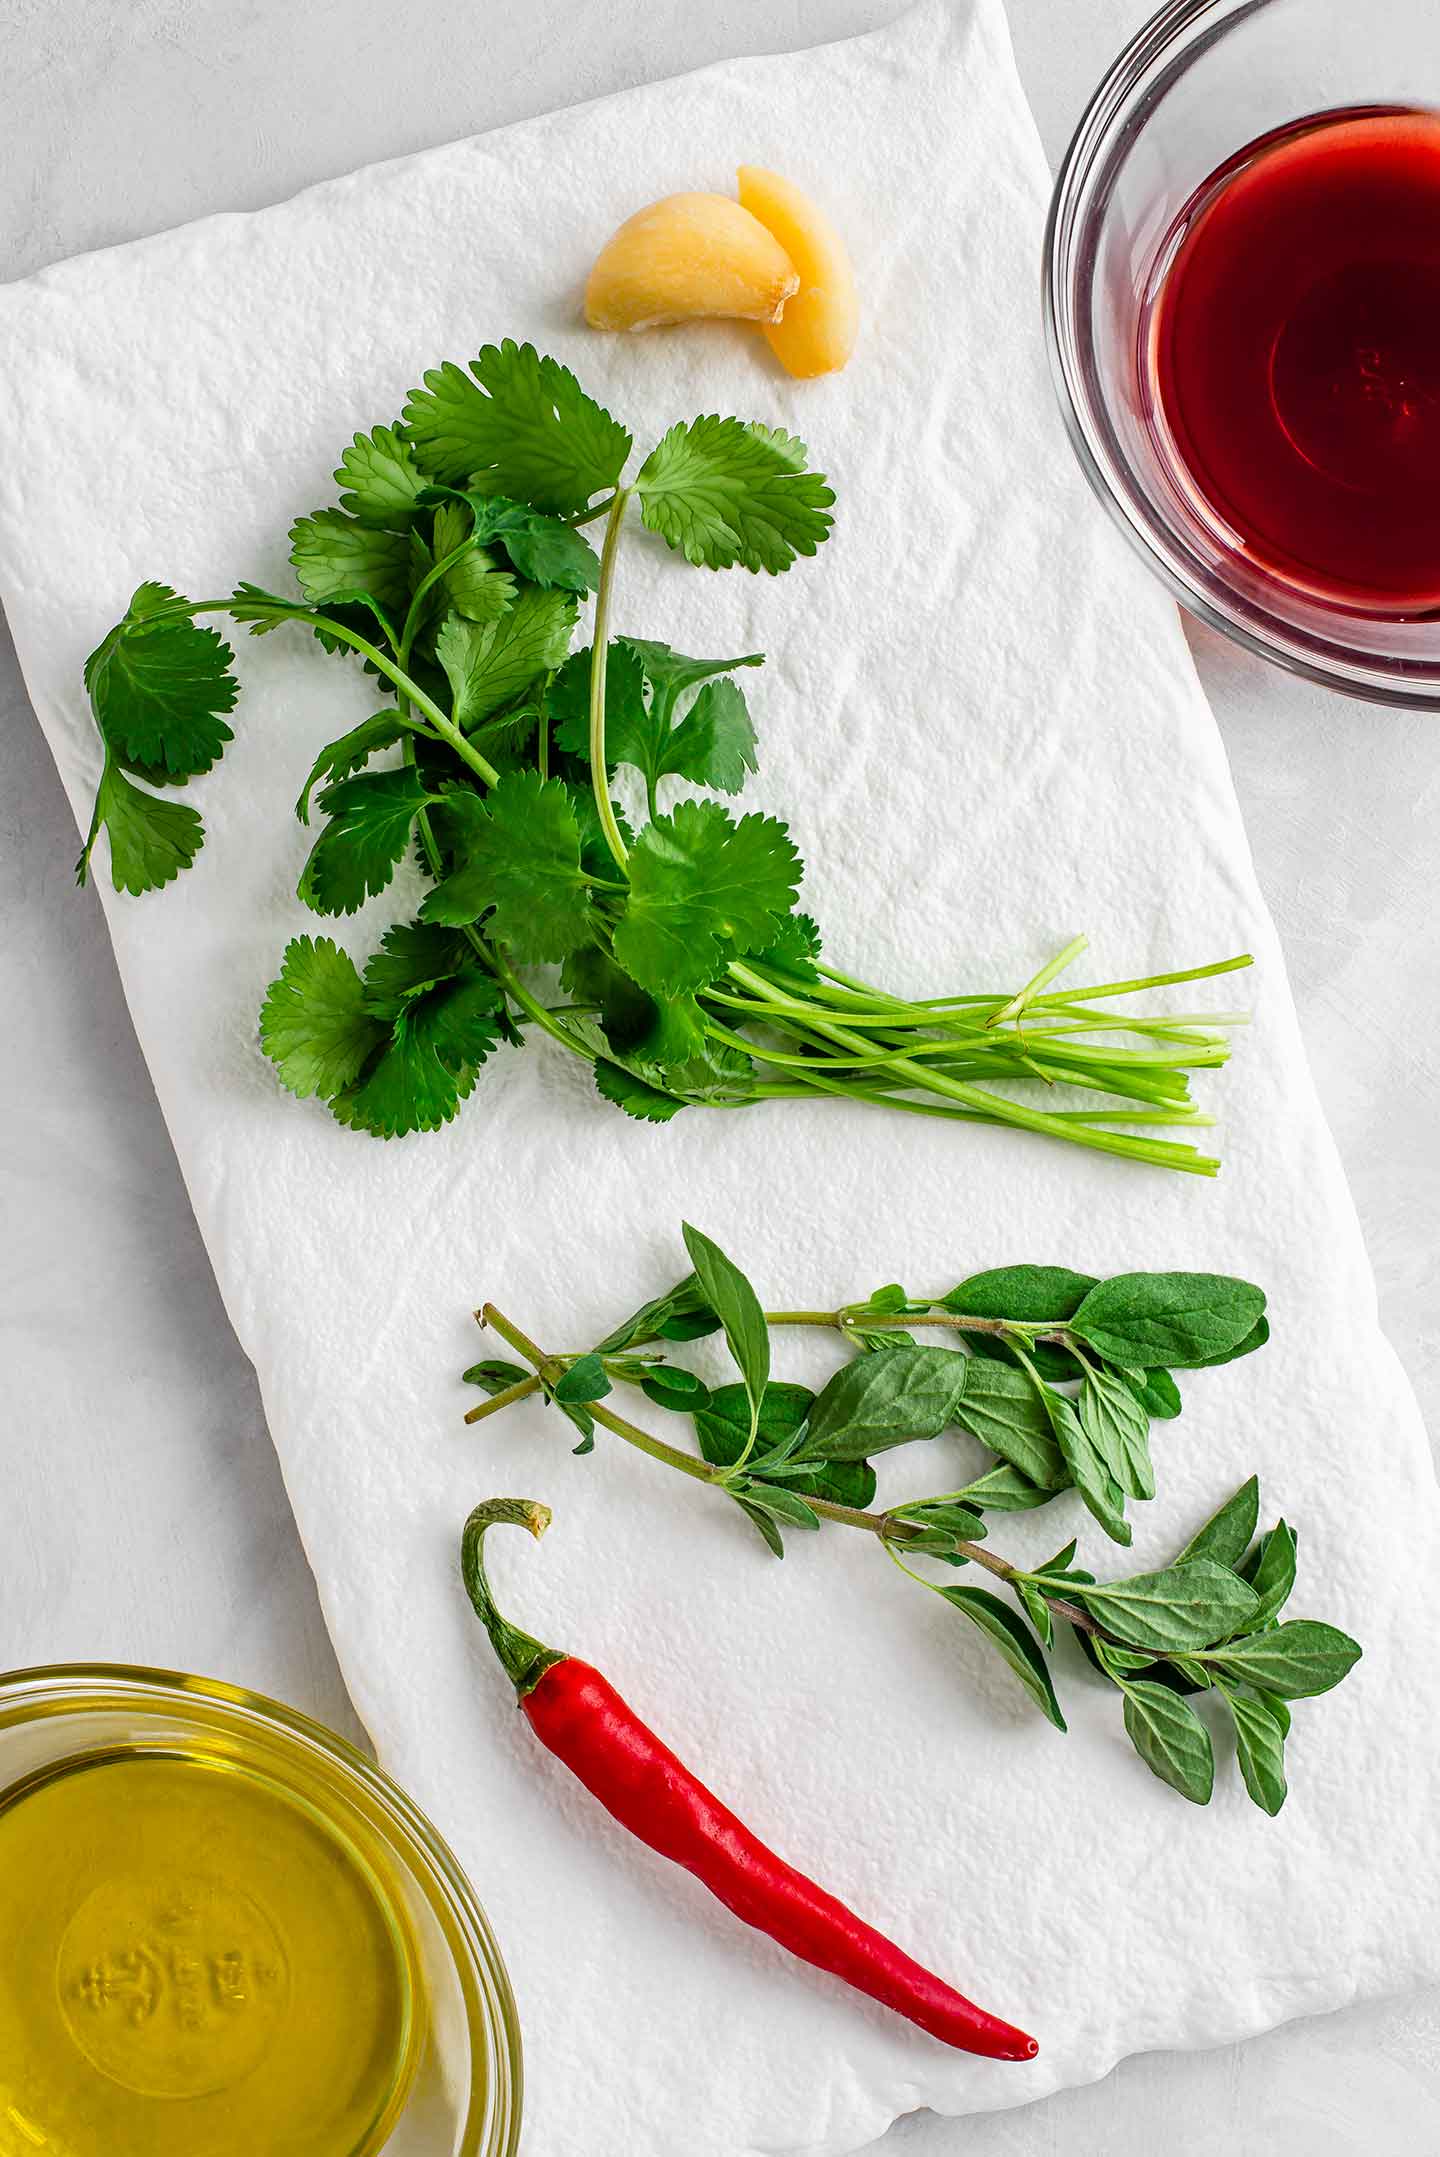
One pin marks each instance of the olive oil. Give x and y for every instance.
(194, 1962)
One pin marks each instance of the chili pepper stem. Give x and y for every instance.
(524, 1659)
(889, 1528)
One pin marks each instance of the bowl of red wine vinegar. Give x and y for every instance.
(1242, 288)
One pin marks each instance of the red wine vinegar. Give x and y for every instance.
(1291, 354)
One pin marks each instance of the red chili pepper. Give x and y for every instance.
(582, 1719)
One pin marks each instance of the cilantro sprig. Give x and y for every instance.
(1054, 1377)
(567, 789)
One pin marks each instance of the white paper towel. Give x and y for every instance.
(981, 719)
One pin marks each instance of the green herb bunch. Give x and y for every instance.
(454, 568)
(1058, 1375)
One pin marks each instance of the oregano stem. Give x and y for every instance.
(520, 1391)
(886, 1526)
(856, 1315)
(599, 654)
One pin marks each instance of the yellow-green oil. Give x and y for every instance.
(195, 1961)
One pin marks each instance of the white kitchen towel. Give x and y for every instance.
(980, 717)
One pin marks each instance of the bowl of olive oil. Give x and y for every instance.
(223, 1932)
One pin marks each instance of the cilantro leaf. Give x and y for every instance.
(676, 1059)
(337, 558)
(518, 852)
(794, 947)
(474, 585)
(595, 856)
(648, 1035)
(488, 664)
(477, 588)
(714, 744)
(627, 1014)
(646, 1103)
(671, 672)
(701, 890)
(545, 550)
(356, 854)
(721, 492)
(339, 759)
(627, 720)
(383, 478)
(412, 959)
(429, 1066)
(314, 1026)
(516, 425)
(151, 841)
(158, 685)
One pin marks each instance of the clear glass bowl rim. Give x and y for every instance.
(1330, 663)
(49, 1686)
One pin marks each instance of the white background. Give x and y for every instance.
(142, 1516)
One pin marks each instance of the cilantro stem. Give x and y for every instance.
(1019, 1002)
(588, 516)
(427, 583)
(393, 672)
(599, 652)
(506, 975)
(1155, 981)
(998, 1107)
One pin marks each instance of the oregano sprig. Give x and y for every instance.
(571, 805)
(1208, 1624)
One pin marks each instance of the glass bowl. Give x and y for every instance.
(463, 2096)
(1201, 80)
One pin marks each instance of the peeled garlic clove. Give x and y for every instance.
(687, 257)
(816, 333)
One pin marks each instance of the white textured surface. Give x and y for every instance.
(1341, 898)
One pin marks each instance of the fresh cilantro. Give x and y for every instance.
(314, 1025)
(627, 1013)
(646, 1103)
(158, 685)
(670, 673)
(595, 857)
(545, 550)
(567, 700)
(664, 1041)
(429, 1066)
(721, 492)
(712, 745)
(339, 759)
(336, 558)
(355, 856)
(702, 889)
(474, 584)
(517, 853)
(794, 948)
(151, 841)
(517, 425)
(413, 958)
(383, 478)
(454, 571)
(489, 664)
